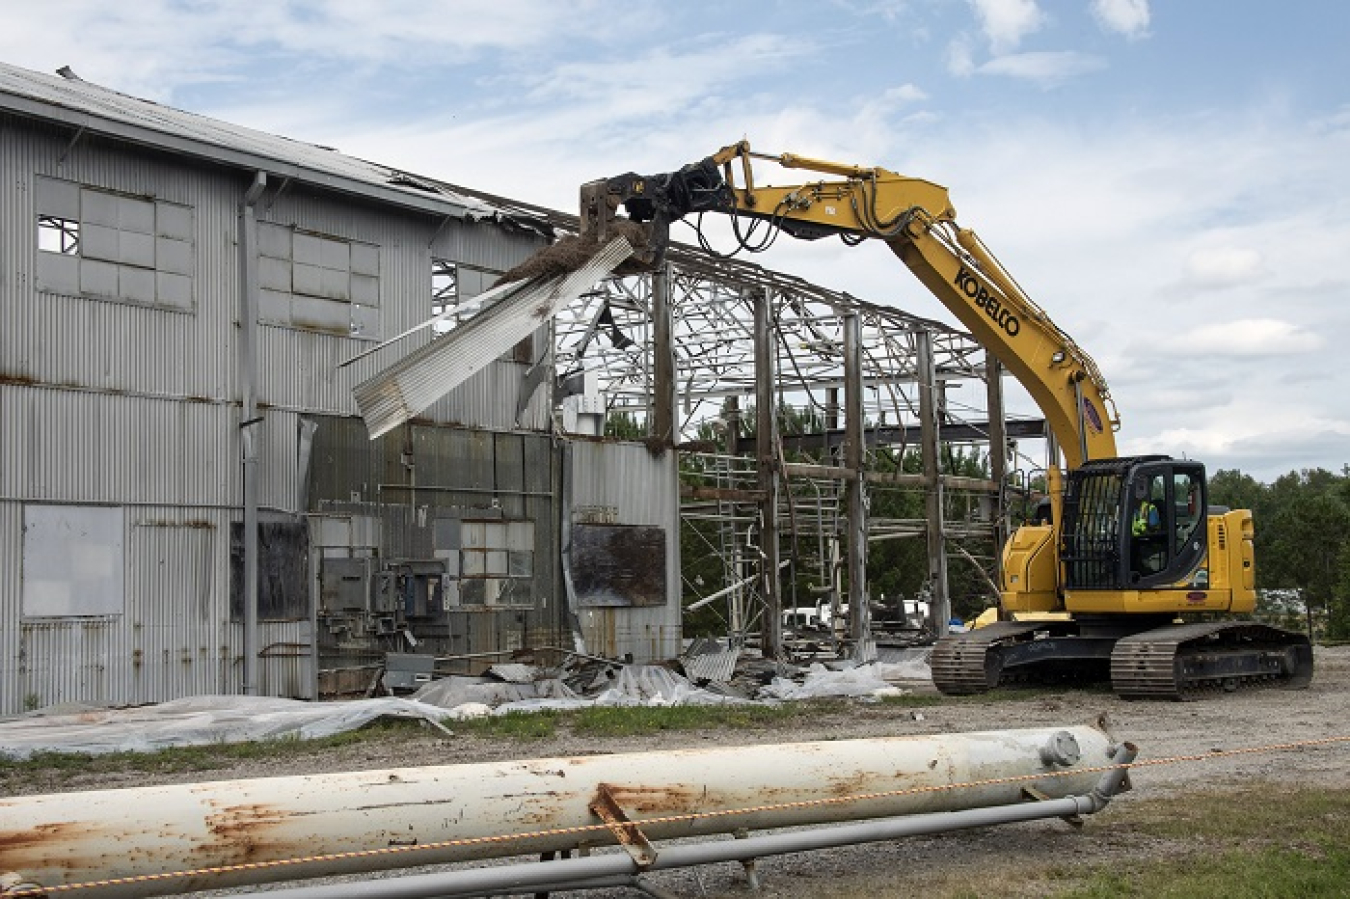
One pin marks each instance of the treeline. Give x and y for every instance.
(1302, 524)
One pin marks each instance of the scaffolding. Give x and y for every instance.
(810, 425)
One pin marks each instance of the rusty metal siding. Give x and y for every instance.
(483, 245)
(455, 471)
(299, 369)
(172, 637)
(179, 641)
(623, 483)
(112, 403)
(96, 344)
(11, 602)
(77, 446)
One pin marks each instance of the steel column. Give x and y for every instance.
(766, 466)
(860, 618)
(940, 600)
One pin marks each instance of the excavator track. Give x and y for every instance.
(965, 664)
(1178, 661)
(1187, 661)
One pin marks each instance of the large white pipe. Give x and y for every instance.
(230, 826)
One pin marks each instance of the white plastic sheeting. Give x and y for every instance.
(863, 680)
(196, 721)
(204, 720)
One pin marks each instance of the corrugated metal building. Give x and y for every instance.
(135, 240)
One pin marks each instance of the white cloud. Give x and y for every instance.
(1006, 22)
(1248, 338)
(1219, 267)
(1129, 18)
(1046, 68)
(960, 57)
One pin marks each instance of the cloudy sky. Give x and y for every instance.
(1168, 178)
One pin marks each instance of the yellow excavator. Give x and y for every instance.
(1152, 578)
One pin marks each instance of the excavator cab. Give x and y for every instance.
(1135, 523)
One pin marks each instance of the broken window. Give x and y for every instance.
(489, 563)
(444, 294)
(58, 235)
(318, 282)
(115, 246)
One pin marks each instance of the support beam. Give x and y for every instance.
(998, 459)
(766, 466)
(860, 619)
(662, 425)
(250, 423)
(939, 602)
(909, 435)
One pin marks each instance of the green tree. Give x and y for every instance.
(1303, 542)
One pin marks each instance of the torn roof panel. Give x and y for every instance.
(82, 104)
(413, 383)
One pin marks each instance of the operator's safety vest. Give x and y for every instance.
(1146, 519)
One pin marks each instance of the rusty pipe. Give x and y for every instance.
(617, 869)
(364, 821)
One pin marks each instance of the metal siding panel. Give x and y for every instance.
(57, 338)
(484, 245)
(641, 489)
(11, 598)
(172, 639)
(278, 462)
(178, 617)
(286, 667)
(75, 446)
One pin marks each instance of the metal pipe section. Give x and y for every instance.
(614, 869)
(356, 822)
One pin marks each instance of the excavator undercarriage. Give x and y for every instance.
(1170, 661)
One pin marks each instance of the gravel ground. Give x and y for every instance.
(1198, 731)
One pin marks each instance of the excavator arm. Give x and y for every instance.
(916, 219)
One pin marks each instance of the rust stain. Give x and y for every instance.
(245, 832)
(17, 380)
(657, 800)
(16, 840)
(848, 786)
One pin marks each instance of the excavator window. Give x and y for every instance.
(1167, 508)
(1133, 523)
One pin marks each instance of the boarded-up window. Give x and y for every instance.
(619, 565)
(72, 561)
(283, 571)
(318, 282)
(98, 243)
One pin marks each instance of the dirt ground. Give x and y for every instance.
(1196, 734)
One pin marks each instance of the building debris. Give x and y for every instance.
(203, 720)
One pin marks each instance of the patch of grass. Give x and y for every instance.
(1236, 844)
(511, 726)
(617, 721)
(1234, 874)
(1286, 815)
